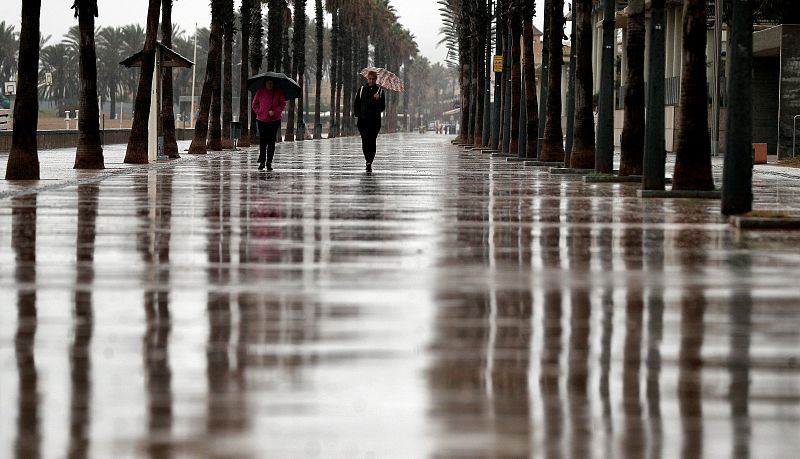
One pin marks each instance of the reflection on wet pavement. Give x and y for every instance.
(447, 305)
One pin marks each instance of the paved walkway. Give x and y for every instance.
(447, 305)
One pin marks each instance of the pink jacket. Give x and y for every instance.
(266, 100)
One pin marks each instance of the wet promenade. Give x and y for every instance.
(448, 305)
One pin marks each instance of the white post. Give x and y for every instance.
(194, 67)
(715, 96)
(152, 124)
(121, 113)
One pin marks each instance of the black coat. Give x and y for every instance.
(366, 107)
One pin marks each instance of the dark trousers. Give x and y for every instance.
(369, 134)
(266, 136)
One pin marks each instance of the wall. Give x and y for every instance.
(789, 87)
(766, 72)
(69, 139)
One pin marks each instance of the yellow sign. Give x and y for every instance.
(498, 64)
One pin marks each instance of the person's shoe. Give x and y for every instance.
(269, 167)
(369, 167)
(261, 166)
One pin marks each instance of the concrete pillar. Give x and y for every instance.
(678, 41)
(669, 39)
(596, 47)
(624, 57)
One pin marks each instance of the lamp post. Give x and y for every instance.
(604, 160)
(194, 71)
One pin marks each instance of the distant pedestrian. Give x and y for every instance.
(369, 102)
(268, 105)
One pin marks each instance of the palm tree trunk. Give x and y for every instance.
(112, 97)
(290, 62)
(167, 116)
(479, 45)
(136, 152)
(332, 71)
(274, 35)
(199, 145)
(632, 141)
(339, 79)
(693, 150)
(215, 120)
(227, 86)
(553, 144)
(299, 49)
(347, 77)
(256, 56)
(583, 147)
(737, 174)
(318, 91)
(244, 101)
(89, 154)
(531, 100)
(466, 95)
(23, 159)
(516, 82)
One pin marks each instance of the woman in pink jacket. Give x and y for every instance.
(268, 105)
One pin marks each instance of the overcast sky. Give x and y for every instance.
(421, 17)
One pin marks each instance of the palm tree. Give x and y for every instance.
(9, 44)
(109, 43)
(23, 159)
(632, 141)
(167, 96)
(136, 152)
(515, 30)
(480, 19)
(531, 100)
(215, 115)
(693, 150)
(553, 144)
(89, 154)
(60, 61)
(245, 14)
(290, 63)
(320, 38)
(256, 56)
(274, 34)
(465, 62)
(299, 48)
(737, 174)
(229, 34)
(198, 145)
(133, 36)
(582, 155)
(334, 67)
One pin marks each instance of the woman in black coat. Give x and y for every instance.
(368, 104)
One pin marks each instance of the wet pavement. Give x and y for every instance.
(448, 305)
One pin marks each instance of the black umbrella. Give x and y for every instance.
(291, 90)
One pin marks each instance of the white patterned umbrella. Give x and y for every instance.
(386, 79)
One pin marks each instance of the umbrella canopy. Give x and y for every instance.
(291, 90)
(386, 79)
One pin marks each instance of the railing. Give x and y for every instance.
(5, 119)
